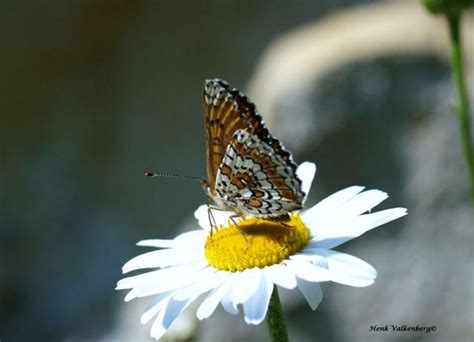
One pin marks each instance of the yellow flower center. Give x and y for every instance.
(255, 242)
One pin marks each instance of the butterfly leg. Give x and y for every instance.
(232, 218)
(212, 220)
(281, 219)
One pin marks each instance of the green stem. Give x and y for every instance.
(275, 320)
(462, 107)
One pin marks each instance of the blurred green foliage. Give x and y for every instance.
(448, 7)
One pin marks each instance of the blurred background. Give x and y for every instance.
(93, 93)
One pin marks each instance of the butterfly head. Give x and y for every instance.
(205, 186)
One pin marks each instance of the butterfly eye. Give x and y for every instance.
(205, 185)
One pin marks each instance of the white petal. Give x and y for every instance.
(336, 231)
(161, 281)
(308, 271)
(175, 308)
(306, 172)
(311, 291)
(363, 202)
(306, 255)
(191, 239)
(171, 272)
(210, 303)
(168, 314)
(226, 301)
(244, 285)
(281, 275)
(159, 243)
(347, 269)
(159, 258)
(213, 280)
(202, 215)
(228, 305)
(157, 329)
(327, 205)
(183, 240)
(158, 303)
(255, 309)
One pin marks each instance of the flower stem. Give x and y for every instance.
(462, 106)
(275, 320)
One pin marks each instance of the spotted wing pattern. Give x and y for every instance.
(249, 171)
(253, 180)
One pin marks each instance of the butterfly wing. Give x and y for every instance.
(225, 111)
(256, 180)
(247, 167)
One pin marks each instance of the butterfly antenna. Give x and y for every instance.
(149, 174)
(203, 181)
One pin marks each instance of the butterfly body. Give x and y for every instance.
(249, 171)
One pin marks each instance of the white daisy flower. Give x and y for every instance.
(239, 267)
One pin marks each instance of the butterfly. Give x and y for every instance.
(249, 172)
